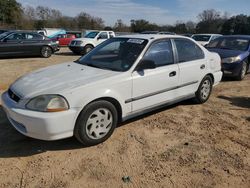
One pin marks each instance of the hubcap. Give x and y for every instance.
(88, 50)
(205, 89)
(243, 71)
(99, 123)
(46, 51)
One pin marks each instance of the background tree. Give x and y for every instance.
(120, 26)
(211, 21)
(139, 26)
(10, 13)
(239, 24)
(85, 21)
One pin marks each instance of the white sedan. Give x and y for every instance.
(119, 79)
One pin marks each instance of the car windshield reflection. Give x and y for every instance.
(116, 54)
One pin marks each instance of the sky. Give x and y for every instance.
(156, 11)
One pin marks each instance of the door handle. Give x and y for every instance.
(203, 66)
(172, 74)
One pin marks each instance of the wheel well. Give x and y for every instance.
(47, 46)
(89, 45)
(115, 103)
(211, 76)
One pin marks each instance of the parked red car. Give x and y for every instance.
(65, 39)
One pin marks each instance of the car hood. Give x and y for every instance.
(58, 79)
(84, 39)
(224, 53)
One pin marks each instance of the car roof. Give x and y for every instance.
(151, 36)
(207, 34)
(237, 36)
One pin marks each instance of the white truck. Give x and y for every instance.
(83, 45)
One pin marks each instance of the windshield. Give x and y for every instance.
(203, 38)
(4, 35)
(116, 54)
(230, 43)
(91, 35)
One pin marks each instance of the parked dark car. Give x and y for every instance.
(3, 31)
(23, 43)
(234, 51)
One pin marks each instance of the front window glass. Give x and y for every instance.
(117, 54)
(16, 36)
(202, 38)
(103, 35)
(230, 43)
(4, 35)
(91, 35)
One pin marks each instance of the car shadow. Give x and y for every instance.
(228, 79)
(14, 144)
(243, 102)
(66, 54)
(20, 57)
(161, 109)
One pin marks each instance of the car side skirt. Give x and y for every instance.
(156, 107)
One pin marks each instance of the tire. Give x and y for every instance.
(243, 71)
(46, 51)
(96, 123)
(88, 48)
(204, 91)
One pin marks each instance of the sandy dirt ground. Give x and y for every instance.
(184, 145)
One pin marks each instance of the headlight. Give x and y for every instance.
(231, 59)
(48, 103)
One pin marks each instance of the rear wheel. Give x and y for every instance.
(243, 71)
(204, 90)
(96, 123)
(46, 51)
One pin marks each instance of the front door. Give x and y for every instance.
(11, 45)
(102, 37)
(152, 87)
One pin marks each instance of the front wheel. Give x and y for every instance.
(204, 90)
(242, 72)
(96, 123)
(46, 51)
(88, 48)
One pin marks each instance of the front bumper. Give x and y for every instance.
(40, 125)
(217, 77)
(55, 48)
(77, 49)
(231, 69)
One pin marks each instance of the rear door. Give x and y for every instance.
(32, 43)
(192, 65)
(151, 87)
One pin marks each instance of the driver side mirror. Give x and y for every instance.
(146, 64)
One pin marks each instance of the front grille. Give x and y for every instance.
(76, 43)
(13, 96)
